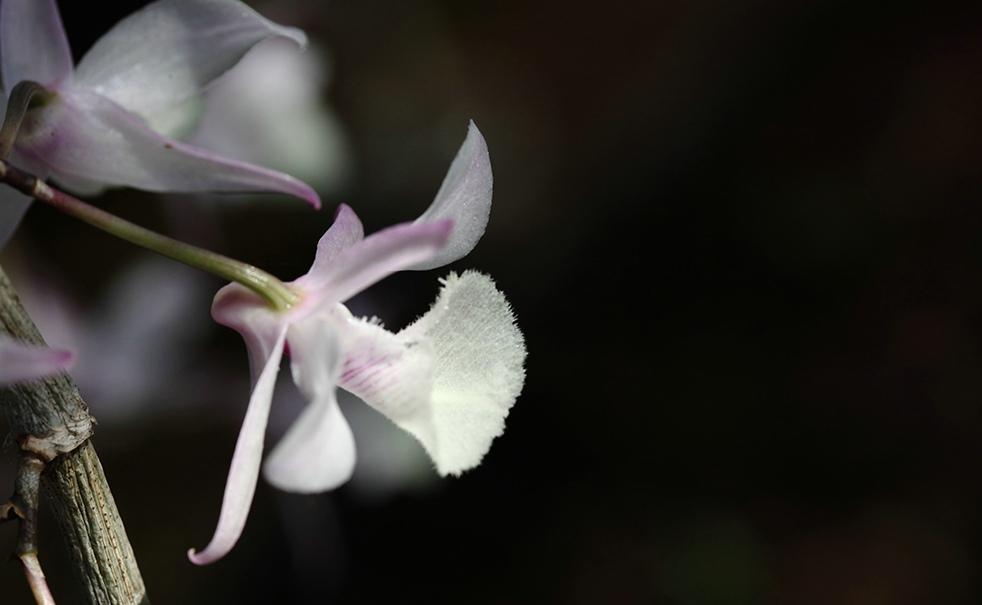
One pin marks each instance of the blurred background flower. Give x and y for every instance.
(270, 110)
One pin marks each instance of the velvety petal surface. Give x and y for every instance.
(87, 137)
(20, 362)
(381, 254)
(244, 471)
(465, 198)
(318, 452)
(159, 57)
(385, 370)
(475, 354)
(33, 45)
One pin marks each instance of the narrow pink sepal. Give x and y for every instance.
(376, 257)
(244, 470)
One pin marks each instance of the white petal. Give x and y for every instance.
(464, 197)
(478, 357)
(162, 55)
(318, 452)
(20, 362)
(84, 137)
(33, 45)
(450, 378)
(386, 371)
(244, 471)
(13, 205)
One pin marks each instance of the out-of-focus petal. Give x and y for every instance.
(162, 55)
(83, 135)
(318, 452)
(133, 311)
(345, 231)
(20, 362)
(79, 185)
(377, 256)
(33, 45)
(270, 110)
(13, 205)
(244, 471)
(475, 355)
(464, 197)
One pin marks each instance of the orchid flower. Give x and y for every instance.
(109, 121)
(449, 379)
(20, 362)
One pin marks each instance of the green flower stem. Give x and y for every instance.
(273, 290)
(19, 102)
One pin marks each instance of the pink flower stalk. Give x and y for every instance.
(110, 120)
(449, 379)
(20, 362)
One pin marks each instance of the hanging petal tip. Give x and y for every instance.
(284, 183)
(193, 556)
(295, 187)
(311, 197)
(200, 558)
(219, 546)
(296, 35)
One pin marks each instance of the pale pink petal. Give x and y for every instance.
(450, 378)
(83, 135)
(33, 45)
(377, 256)
(20, 362)
(241, 309)
(162, 55)
(465, 198)
(244, 471)
(318, 452)
(345, 231)
(13, 205)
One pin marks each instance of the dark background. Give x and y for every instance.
(742, 241)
